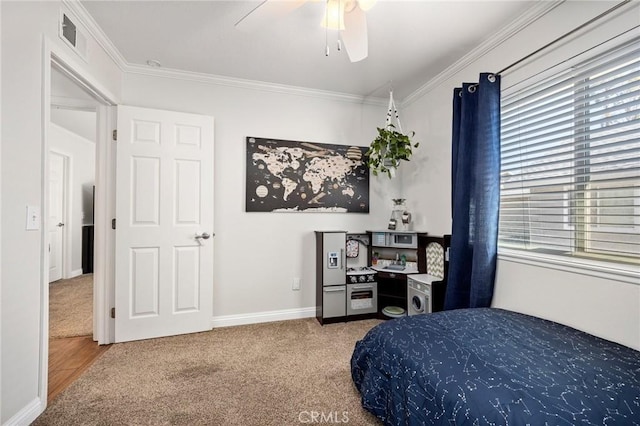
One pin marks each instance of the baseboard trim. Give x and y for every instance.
(28, 414)
(75, 273)
(259, 317)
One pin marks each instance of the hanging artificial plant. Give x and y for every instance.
(391, 145)
(388, 149)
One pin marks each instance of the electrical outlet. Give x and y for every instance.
(295, 285)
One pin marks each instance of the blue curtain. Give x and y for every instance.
(475, 193)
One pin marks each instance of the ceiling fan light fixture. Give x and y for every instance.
(349, 5)
(365, 5)
(334, 15)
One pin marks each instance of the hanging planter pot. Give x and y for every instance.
(391, 146)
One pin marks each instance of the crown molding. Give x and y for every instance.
(251, 84)
(96, 32)
(527, 18)
(101, 38)
(530, 16)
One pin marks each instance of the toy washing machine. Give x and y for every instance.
(419, 293)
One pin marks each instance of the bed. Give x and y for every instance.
(491, 366)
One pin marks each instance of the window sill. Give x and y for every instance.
(612, 271)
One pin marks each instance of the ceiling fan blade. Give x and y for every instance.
(266, 12)
(354, 36)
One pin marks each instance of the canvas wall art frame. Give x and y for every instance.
(295, 176)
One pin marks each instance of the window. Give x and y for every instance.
(570, 169)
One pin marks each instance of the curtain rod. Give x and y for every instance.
(562, 37)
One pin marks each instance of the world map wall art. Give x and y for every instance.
(292, 176)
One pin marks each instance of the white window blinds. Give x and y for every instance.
(570, 169)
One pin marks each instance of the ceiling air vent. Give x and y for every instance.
(70, 33)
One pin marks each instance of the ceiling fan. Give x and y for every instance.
(347, 16)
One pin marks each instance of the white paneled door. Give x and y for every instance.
(164, 212)
(56, 214)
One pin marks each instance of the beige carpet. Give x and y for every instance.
(276, 374)
(71, 307)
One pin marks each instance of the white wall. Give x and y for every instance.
(258, 254)
(604, 307)
(23, 27)
(81, 153)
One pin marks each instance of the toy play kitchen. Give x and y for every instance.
(346, 287)
(367, 275)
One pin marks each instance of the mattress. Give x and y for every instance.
(492, 366)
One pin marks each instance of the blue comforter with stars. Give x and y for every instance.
(490, 366)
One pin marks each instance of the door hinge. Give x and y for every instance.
(114, 135)
(113, 312)
(113, 223)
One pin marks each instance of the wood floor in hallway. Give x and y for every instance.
(69, 357)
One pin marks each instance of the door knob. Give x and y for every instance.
(60, 225)
(203, 236)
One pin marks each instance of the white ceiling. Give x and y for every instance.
(410, 42)
(82, 123)
(66, 93)
(71, 106)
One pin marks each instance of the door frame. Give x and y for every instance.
(55, 55)
(65, 262)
